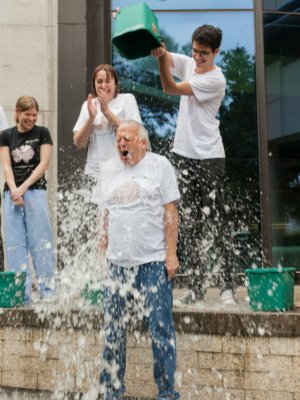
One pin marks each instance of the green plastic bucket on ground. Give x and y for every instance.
(92, 295)
(271, 289)
(12, 288)
(136, 31)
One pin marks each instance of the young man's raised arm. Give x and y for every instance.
(165, 62)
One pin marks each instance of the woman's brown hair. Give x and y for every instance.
(110, 73)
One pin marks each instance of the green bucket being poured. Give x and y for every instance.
(136, 31)
(12, 288)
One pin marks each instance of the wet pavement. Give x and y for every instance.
(212, 301)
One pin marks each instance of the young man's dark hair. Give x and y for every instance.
(209, 36)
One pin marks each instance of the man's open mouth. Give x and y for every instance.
(125, 153)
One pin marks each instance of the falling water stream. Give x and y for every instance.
(79, 266)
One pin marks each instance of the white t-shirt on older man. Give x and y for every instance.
(101, 145)
(197, 133)
(134, 197)
(3, 120)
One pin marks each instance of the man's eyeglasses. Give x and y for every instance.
(202, 53)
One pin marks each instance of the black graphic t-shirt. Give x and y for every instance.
(24, 148)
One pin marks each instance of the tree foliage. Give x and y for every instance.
(237, 114)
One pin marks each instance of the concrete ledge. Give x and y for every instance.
(29, 318)
(7, 393)
(284, 324)
(269, 324)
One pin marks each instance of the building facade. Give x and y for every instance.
(50, 48)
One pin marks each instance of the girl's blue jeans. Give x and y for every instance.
(142, 293)
(28, 230)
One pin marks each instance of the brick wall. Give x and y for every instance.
(210, 367)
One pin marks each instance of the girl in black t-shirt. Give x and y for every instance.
(25, 153)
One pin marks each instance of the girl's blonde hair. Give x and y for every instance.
(25, 103)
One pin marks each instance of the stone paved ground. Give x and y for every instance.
(212, 300)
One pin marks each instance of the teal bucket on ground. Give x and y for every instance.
(92, 294)
(12, 288)
(136, 31)
(271, 289)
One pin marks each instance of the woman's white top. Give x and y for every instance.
(102, 139)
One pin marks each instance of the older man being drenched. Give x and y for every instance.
(139, 236)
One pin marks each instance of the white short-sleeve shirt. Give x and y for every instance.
(102, 140)
(3, 120)
(197, 132)
(134, 197)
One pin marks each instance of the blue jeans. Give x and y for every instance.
(27, 229)
(137, 294)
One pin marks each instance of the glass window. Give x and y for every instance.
(282, 63)
(282, 5)
(237, 114)
(189, 4)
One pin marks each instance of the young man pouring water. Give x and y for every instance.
(200, 162)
